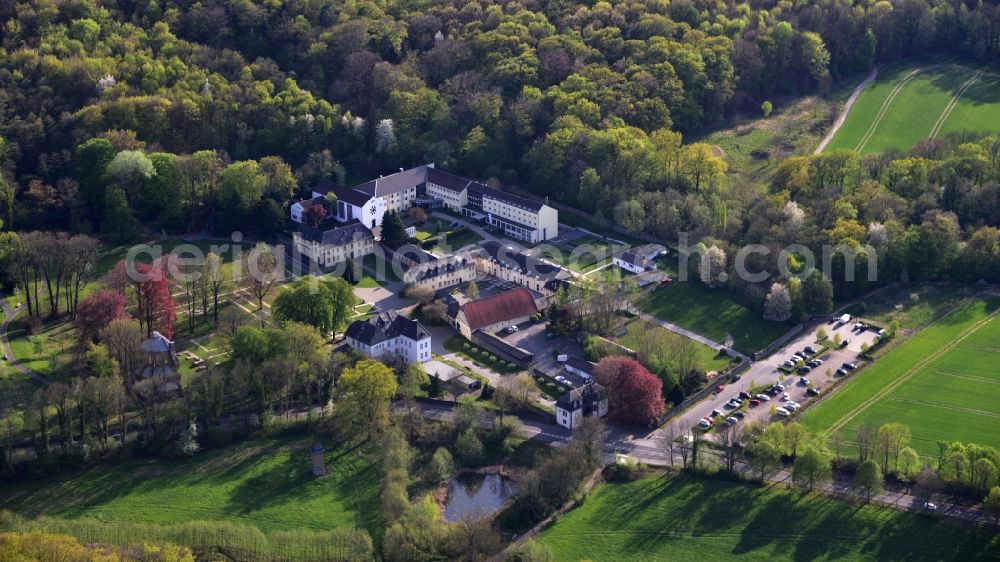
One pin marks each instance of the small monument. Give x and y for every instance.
(318, 467)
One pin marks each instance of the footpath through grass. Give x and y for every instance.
(684, 518)
(265, 483)
(713, 314)
(942, 382)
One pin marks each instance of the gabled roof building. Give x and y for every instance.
(390, 333)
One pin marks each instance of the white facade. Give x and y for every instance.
(451, 199)
(328, 255)
(627, 266)
(369, 213)
(410, 350)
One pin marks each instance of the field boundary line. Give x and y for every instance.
(885, 107)
(951, 104)
(949, 407)
(842, 118)
(907, 375)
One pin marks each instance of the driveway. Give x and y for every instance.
(766, 372)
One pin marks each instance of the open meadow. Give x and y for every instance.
(712, 313)
(911, 101)
(265, 484)
(943, 382)
(685, 518)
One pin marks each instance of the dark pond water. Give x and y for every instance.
(476, 495)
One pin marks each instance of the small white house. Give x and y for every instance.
(639, 259)
(585, 401)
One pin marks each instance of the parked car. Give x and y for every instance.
(850, 366)
(734, 377)
(738, 415)
(805, 369)
(705, 423)
(788, 364)
(928, 506)
(782, 412)
(763, 397)
(811, 350)
(804, 381)
(744, 394)
(755, 402)
(784, 397)
(841, 372)
(845, 343)
(813, 391)
(732, 421)
(715, 414)
(719, 388)
(772, 391)
(779, 386)
(792, 406)
(859, 327)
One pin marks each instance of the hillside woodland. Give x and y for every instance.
(179, 116)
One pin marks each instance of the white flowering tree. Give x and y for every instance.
(385, 135)
(713, 267)
(778, 306)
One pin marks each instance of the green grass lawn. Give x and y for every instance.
(684, 518)
(908, 102)
(708, 358)
(711, 313)
(942, 382)
(912, 307)
(451, 242)
(265, 483)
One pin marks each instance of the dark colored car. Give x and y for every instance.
(841, 372)
(813, 391)
(744, 395)
(739, 415)
(849, 366)
(805, 369)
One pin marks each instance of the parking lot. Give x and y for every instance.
(767, 372)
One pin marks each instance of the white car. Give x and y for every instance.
(763, 397)
(792, 406)
(783, 412)
(704, 423)
(784, 397)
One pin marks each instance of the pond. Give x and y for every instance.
(476, 495)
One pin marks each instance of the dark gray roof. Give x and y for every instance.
(580, 364)
(337, 236)
(352, 196)
(510, 198)
(386, 326)
(447, 180)
(394, 183)
(633, 258)
(326, 186)
(574, 399)
(509, 257)
(431, 270)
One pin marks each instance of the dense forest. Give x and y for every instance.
(176, 115)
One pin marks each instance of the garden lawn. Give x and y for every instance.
(457, 344)
(942, 382)
(708, 358)
(713, 314)
(685, 518)
(265, 483)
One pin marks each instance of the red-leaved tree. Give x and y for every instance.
(314, 215)
(154, 305)
(635, 394)
(95, 313)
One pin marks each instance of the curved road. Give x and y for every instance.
(9, 314)
(847, 108)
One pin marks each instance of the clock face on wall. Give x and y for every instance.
(373, 209)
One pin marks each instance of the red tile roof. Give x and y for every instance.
(517, 303)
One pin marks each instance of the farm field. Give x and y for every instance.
(912, 101)
(942, 382)
(711, 313)
(265, 484)
(684, 518)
